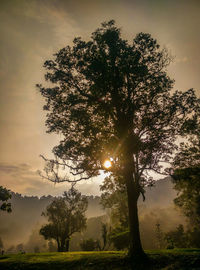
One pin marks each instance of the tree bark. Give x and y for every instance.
(67, 245)
(58, 244)
(136, 249)
(62, 245)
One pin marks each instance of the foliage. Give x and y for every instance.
(112, 100)
(159, 236)
(187, 183)
(186, 177)
(4, 197)
(98, 244)
(66, 215)
(51, 246)
(176, 238)
(36, 249)
(89, 245)
(194, 237)
(114, 197)
(120, 239)
(20, 247)
(104, 234)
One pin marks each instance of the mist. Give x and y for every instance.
(23, 224)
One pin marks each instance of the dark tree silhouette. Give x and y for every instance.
(4, 197)
(114, 197)
(88, 244)
(66, 215)
(176, 238)
(186, 178)
(112, 100)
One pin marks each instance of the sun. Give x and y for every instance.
(107, 164)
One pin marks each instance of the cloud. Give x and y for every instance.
(13, 169)
(22, 178)
(31, 31)
(181, 60)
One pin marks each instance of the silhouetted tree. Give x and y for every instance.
(89, 244)
(113, 100)
(104, 234)
(20, 247)
(186, 177)
(4, 197)
(36, 249)
(51, 246)
(159, 236)
(176, 238)
(103, 243)
(114, 197)
(193, 236)
(66, 215)
(120, 239)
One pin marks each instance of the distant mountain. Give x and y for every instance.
(16, 227)
(26, 214)
(162, 194)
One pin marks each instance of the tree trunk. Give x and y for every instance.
(136, 249)
(58, 245)
(62, 245)
(67, 244)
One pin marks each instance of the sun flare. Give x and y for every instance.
(107, 164)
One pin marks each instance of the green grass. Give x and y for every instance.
(158, 259)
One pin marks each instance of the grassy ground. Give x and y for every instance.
(163, 259)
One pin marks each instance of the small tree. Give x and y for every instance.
(104, 234)
(51, 246)
(193, 235)
(66, 215)
(120, 239)
(159, 236)
(4, 197)
(20, 247)
(89, 244)
(176, 238)
(36, 249)
(112, 101)
(114, 197)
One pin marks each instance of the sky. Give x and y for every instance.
(31, 31)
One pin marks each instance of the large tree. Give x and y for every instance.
(66, 215)
(112, 99)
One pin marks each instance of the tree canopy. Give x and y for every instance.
(186, 177)
(114, 197)
(66, 215)
(112, 99)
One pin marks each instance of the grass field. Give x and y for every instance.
(163, 259)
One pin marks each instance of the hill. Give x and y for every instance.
(23, 224)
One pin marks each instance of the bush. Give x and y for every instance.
(88, 245)
(120, 240)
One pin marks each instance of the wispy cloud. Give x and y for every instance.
(22, 178)
(181, 60)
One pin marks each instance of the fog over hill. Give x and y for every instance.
(25, 220)
(162, 194)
